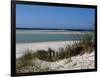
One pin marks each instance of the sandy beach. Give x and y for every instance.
(55, 45)
(85, 61)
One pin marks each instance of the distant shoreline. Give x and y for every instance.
(47, 32)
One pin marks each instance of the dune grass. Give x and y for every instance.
(85, 45)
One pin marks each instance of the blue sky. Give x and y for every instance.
(38, 16)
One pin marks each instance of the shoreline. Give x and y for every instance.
(34, 46)
(48, 32)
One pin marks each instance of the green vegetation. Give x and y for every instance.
(85, 45)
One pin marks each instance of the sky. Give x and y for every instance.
(39, 16)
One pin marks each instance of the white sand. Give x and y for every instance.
(86, 61)
(22, 47)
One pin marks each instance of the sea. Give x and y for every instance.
(24, 36)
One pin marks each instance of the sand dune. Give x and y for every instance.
(86, 61)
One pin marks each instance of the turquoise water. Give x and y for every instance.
(38, 37)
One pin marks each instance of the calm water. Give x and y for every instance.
(23, 38)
